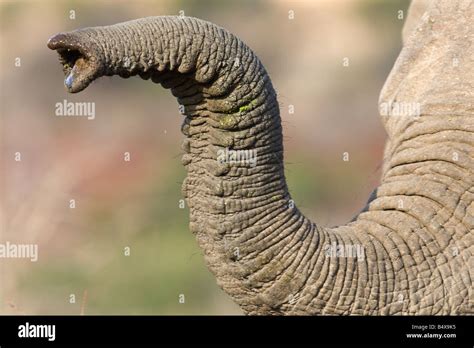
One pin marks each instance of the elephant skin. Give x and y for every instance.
(408, 252)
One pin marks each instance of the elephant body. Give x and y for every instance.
(409, 251)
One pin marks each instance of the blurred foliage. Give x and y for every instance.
(384, 13)
(164, 262)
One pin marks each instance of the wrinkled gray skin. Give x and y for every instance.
(417, 231)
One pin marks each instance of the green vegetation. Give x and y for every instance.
(249, 106)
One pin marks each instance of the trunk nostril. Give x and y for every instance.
(79, 57)
(69, 58)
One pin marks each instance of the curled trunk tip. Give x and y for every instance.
(79, 58)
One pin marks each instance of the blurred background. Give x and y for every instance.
(304, 45)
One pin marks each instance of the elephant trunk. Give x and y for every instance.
(263, 251)
(240, 209)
